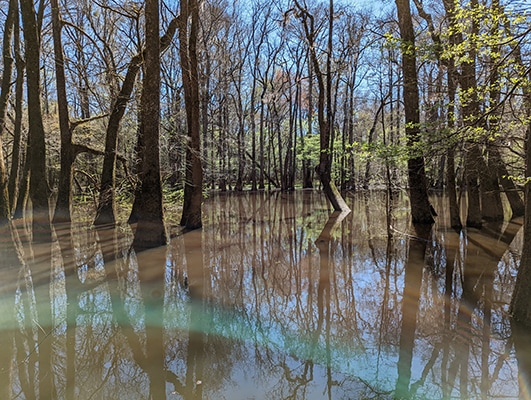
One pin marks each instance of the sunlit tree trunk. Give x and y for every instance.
(14, 173)
(193, 187)
(521, 299)
(421, 210)
(5, 91)
(37, 148)
(150, 230)
(324, 108)
(64, 191)
(105, 213)
(307, 170)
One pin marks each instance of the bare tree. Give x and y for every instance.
(324, 106)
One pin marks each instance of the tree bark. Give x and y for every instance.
(5, 91)
(521, 299)
(106, 204)
(324, 107)
(421, 209)
(193, 187)
(150, 231)
(14, 174)
(64, 191)
(38, 189)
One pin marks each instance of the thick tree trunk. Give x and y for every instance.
(472, 163)
(150, 231)
(510, 189)
(106, 204)
(521, 300)
(491, 202)
(421, 209)
(193, 188)
(37, 149)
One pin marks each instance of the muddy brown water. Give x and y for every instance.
(270, 300)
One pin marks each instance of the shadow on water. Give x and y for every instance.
(272, 299)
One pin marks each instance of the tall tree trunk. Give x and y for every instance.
(421, 209)
(13, 184)
(64, 191)
(150, 231)
(307, 170)
(5, 91)
(105, 213)
(455, 218)
(193, 187)
(324, 108)
(521, 299)
(37, 148)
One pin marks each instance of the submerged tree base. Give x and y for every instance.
(148, 235)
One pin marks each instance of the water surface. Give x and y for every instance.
(267, 301)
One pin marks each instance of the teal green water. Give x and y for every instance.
(265, 303)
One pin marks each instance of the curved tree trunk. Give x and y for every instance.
(324, 107)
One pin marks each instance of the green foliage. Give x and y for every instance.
(310, 150)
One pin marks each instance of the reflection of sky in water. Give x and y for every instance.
(268, 312)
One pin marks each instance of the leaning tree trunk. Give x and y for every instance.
(324, 107)
(36, 138)
(421, 209)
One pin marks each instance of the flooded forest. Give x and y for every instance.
(265, 199)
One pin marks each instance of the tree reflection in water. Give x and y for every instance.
(267, 301)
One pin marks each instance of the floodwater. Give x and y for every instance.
(270, 300)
